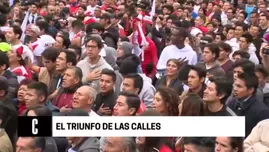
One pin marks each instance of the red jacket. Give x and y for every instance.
(150, 58)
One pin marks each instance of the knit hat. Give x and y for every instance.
(129, 65)
(4, 47)
(127, 47)
(74, 112)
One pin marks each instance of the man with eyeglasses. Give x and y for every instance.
(93, 64)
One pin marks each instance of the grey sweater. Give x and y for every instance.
(86, 67)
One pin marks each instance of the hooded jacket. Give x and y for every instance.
(89, 144)
(86, 67)
(147, 92)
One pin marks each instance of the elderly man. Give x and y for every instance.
(84, 98)
(115, 144)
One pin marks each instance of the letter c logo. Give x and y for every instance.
(34, 129)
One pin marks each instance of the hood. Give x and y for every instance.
(145, 78)
(111, 56)
(101, 62)
(265, 89)
(127, 47)
(90, 143)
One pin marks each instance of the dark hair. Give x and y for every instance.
(212, 23)
(77, 24)
(124, 39)
(40, 110)
(4, 59)
(50, 53)
(223, 87)
(77, 71)
(192, 105)
(245, 27)
(171, 100)
(182, 32)
(138, 80)
(226, 47)
(98, 27)
(97, 40)
(110, 73)
(43, 25)
(17, 30)
(242, 54)
(23, 82)
(245, 64)
(169, 7)
(41, 89)
(200, 142)
(248, 37)
(132, 100)
(222, 37)
(262, 70)
(76, 49)
(214, 48)
(201, 71)
(70, 57)
(250, 80)
(3, 19)
(237, 142)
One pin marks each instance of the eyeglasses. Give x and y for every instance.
(90, 47)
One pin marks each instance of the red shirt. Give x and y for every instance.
(150, 57)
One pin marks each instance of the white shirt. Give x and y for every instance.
(93, 114)
(171, 51)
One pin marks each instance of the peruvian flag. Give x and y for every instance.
(138, 38)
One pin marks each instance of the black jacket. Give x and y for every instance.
(225, 111)
(176, 84)
(109, 100)
(12, 82)
(253, 110)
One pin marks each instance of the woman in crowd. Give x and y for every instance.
(21, 94)
(166, 101)
(191, 105)
(171, 79)
(17, 64)
(149, 144)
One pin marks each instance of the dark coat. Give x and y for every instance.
(254, 111)
(176, 84)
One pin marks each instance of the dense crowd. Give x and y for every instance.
(134, 58)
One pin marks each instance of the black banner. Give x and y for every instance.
(40, 126)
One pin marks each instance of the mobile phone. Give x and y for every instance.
(265, 51)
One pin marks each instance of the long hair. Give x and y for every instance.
(192, 105)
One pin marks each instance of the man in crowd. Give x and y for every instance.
(84, 98)
(105, 100)
(31, 143)
(245, 102)
(215, 96)
(71, 82)
(37, 93)
(126, 144)
(92, 65)
(196, 80)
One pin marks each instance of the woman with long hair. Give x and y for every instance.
(170, 79)
(152, 144)
(166, 101)
(191, 105)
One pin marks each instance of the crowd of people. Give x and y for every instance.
(134, 58)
